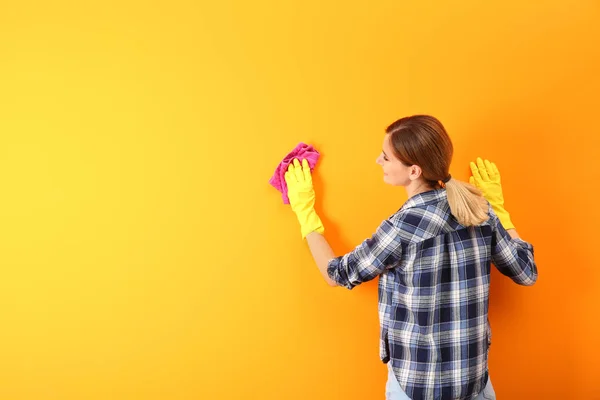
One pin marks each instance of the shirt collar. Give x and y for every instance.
(425, 198)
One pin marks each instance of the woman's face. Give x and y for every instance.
(395, 173)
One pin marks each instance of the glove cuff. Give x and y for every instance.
(504, 218)
(310, 222)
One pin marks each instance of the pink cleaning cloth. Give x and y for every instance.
(301, 152)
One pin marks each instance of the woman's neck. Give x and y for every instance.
(417, 187)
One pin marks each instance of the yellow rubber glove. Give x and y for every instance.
(302, 197)
(487, 178)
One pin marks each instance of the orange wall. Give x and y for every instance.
(135, 138)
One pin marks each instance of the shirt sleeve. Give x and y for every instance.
(512, 257)
(369, 259)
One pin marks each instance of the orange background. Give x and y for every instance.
(144, 254)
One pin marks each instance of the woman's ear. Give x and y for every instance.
(415, 172)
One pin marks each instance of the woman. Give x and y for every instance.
(433, 260)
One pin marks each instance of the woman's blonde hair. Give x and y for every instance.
(422, 140)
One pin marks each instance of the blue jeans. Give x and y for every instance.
(393, 391)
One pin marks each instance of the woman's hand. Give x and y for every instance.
(486, 177)
(302, 197)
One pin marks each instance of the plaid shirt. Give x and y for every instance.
(433, 293)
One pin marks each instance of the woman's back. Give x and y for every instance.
(433, 296)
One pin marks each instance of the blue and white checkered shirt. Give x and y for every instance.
(433, 293)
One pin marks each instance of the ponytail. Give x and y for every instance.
(467, 203)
